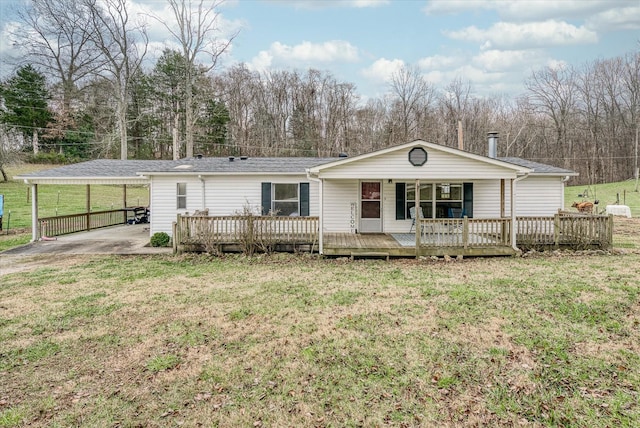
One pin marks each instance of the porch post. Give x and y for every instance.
(88, 207)
(512, 204)
(502, 198)
(34, 212)
(321, 217)
(418, 216)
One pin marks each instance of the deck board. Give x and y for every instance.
(348, 244)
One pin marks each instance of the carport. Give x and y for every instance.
(101, 171)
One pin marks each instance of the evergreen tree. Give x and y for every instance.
(24, 101)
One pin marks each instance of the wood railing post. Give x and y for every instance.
(465, 232)
(556, 230)
(250, 236)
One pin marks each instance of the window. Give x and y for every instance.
(448, 200)
(426, 198)
(439, 200)
(181, 193)
(284, 199)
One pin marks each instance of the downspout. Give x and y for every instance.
(320, 210)
(563, 181)
(514, 226)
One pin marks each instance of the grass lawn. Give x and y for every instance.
(292, 340)
(608, 194)
(60, 199)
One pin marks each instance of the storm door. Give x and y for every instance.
(370, 207)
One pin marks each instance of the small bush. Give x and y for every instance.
(160, 239)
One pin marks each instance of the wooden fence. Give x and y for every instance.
(250, 233)
(71, 223)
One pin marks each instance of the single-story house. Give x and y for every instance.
(373, 193)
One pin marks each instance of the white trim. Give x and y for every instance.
(420, 143)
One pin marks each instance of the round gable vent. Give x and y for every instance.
(417, 156)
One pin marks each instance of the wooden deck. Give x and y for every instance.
(381, 245)
(437, 237)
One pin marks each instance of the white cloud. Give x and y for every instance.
(526, 10)
(496, 60)
(324, 4)
(439, 61)
(305, 54)
(382, 70)
(505, 35)
(627, 18)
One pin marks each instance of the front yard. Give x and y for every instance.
(286, 340)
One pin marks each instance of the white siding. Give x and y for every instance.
(486, 198)
(441, 166)
(163, 201)
(539, 196)
(338, 197)
(224, 195)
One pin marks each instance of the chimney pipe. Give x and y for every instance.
(493, 144)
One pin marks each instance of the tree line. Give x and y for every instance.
(88, 95)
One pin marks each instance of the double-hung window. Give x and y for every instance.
(181, 196)
(285, 199)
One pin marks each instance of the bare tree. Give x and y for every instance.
(196, 29)
(413, 94)
(57, 41)
(552, 91)
(117, 39)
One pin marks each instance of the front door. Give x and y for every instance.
(371, 207)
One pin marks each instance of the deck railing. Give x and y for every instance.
(465, 232)
(71, 223)
(259, 232)
(563, 229)
(566, 229)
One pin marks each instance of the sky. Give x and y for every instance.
(492, 44)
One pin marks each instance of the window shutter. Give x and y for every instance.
(266, 198)
(304, 199)
(400, 201)
(468, 200)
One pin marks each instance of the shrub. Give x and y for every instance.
(160, 239)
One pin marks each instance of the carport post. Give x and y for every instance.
(124, 201)
(34, 212)
(88, 207)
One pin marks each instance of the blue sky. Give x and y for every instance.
(492, 44)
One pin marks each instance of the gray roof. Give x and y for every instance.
(95, 168)
(110, 168)
(238, 165)
(538, 168)
(130, 168)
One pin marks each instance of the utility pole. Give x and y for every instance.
(635, 170)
